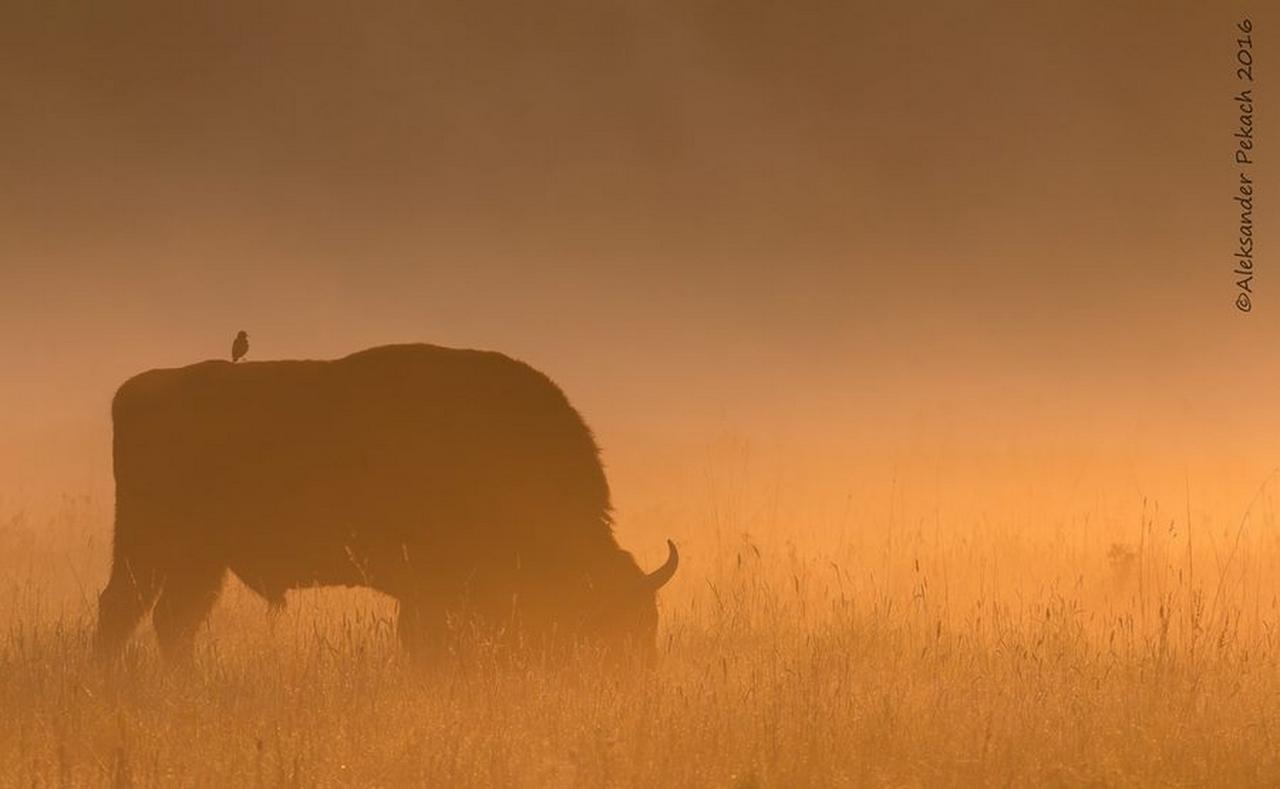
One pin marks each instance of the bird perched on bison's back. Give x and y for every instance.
(240, 347)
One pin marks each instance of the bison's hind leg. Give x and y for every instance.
(421, 629)
(129, 593)
(187, 598)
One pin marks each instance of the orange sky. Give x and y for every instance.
(979, 236)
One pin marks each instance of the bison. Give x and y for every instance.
(460, 482)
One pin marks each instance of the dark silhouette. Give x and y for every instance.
(240, 346)
(460, 482)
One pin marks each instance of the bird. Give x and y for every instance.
(240, 347)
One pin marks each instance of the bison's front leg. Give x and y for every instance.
(188, 597)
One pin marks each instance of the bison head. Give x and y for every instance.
(627, 612)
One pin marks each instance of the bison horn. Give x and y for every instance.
(659, 577)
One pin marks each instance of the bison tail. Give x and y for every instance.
(129, 593)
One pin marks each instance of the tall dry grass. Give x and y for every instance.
(853, 652)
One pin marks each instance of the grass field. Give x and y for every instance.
(885, 653)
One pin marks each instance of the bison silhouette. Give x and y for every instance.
(460, 482)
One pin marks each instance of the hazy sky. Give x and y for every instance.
(927, 227)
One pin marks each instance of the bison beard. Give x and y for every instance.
(460, 482)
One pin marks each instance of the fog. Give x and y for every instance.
(980, 249)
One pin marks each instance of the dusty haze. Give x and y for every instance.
(913, 327)
(862, 248)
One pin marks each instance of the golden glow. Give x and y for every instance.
(912, 326)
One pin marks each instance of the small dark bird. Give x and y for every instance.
(240, 347)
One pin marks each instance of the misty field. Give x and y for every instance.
(891, 652)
